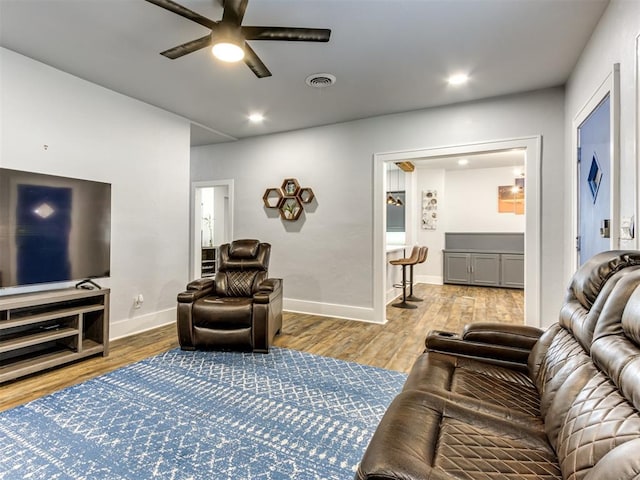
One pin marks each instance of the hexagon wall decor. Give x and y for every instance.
(288, 198)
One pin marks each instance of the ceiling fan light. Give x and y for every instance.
(228, 52)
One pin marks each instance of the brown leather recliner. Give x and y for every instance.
(240, 310)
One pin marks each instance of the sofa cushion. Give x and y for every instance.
(425, 436)
(502, 387)
(599, 419)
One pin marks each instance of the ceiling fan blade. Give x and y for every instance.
(189, 47)
(254, 63)
(234, 11)
(286, 33)
(185, 12)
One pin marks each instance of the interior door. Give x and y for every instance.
(594, 182)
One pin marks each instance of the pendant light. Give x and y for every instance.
(395, 201)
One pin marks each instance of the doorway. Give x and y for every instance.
(596, 177)
(532, 150)
(211, 224)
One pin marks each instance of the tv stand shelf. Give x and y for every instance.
(46, 329)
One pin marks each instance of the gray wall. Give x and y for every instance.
(613, 41)
(142, 151)
(326, 256)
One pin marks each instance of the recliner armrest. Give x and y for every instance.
(452, 344)
(196, 289)
(518, 336)
(268, 289)
(201, 284)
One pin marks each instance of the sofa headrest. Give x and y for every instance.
(616, 349)
(619, 308)
(581, 321)
(631, 320)
(590, 277)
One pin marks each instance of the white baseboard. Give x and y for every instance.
(133, 325)
(430, 279)
(392, 294)
(347, 312)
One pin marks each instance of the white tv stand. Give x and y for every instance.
(46, 329)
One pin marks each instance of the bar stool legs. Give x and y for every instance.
(422, 257)
(412, 297)
(403, 285)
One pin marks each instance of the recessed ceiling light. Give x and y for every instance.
(458, 79)
(463, 161)
(256, 118)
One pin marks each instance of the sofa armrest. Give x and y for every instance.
(268, 290)
(518, 336)
(452, 344)
(196, 289)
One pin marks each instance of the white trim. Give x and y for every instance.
(533, 147)
(194, 224)
(637, 142)
(430, 279)
(609, 86)
(392, 294)
(135, 325)
(395, 293)
(333, 310)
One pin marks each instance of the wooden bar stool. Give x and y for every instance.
(422, 257)
(404, 263)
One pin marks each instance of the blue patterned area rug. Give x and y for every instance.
(203, 415)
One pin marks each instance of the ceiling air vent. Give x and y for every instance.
(320, 80)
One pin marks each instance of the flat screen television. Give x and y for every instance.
(52, 229)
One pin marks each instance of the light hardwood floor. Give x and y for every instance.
(394, 345)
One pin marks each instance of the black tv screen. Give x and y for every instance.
(52, 229)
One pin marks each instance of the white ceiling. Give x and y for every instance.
(388, 55)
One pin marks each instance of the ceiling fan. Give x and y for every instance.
(229, 38)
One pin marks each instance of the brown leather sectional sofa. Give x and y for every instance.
(503, 402)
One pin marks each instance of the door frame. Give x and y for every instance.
(196, 220)
(533, 171)
(609, 86)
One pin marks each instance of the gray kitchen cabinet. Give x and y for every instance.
(472, 268)
(457, 268)
(485, 269)
(487, 259)
(512, 270)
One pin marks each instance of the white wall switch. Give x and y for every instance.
(626, 228)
